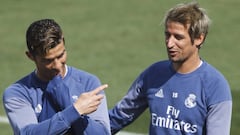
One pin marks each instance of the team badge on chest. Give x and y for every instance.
(190, 101)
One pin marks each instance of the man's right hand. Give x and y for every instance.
(88, 102)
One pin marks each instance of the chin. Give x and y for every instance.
(175, 60)
(51, 77)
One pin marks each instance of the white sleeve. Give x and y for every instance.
(219, 119)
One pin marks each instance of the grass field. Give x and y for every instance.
(116, 40)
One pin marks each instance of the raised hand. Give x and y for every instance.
(88, 102)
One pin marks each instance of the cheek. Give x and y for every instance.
(43, 68)
(180, 46)
(189, 51)
(63, 59)
(185, 45)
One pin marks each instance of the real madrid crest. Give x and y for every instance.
(190, 101)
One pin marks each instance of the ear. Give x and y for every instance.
(29, 55)
(198, 41)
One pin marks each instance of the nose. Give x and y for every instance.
(170, 41)
(57, 64)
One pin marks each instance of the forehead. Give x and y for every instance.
(55, 51)
(176, 27)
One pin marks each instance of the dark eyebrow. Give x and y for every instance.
(59, 56)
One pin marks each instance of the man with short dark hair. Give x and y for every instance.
(55, 99)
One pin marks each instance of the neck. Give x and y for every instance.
(46, 78)
(187, 67)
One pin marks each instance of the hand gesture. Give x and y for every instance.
(88, 102)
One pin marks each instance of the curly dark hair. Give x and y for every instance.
(43, 35)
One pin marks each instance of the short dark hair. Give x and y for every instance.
(43, 35)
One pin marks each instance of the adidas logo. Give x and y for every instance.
(160, 93)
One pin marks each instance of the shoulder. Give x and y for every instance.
(21, 88)
(160, 68)
(211, 74)
(80, 74)
(160, 64)
(15, 90)
(216, 87)
(76, 77)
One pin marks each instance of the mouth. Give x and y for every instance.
(172, 53)
(57, 73)
(54, 73)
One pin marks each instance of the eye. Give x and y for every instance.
(167, 35)
(61, 55)
(179, 37)
(47, 61)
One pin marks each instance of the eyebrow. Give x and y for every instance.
(59, 56)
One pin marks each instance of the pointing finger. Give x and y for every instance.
(99, 89)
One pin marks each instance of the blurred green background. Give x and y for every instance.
(116, 40)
